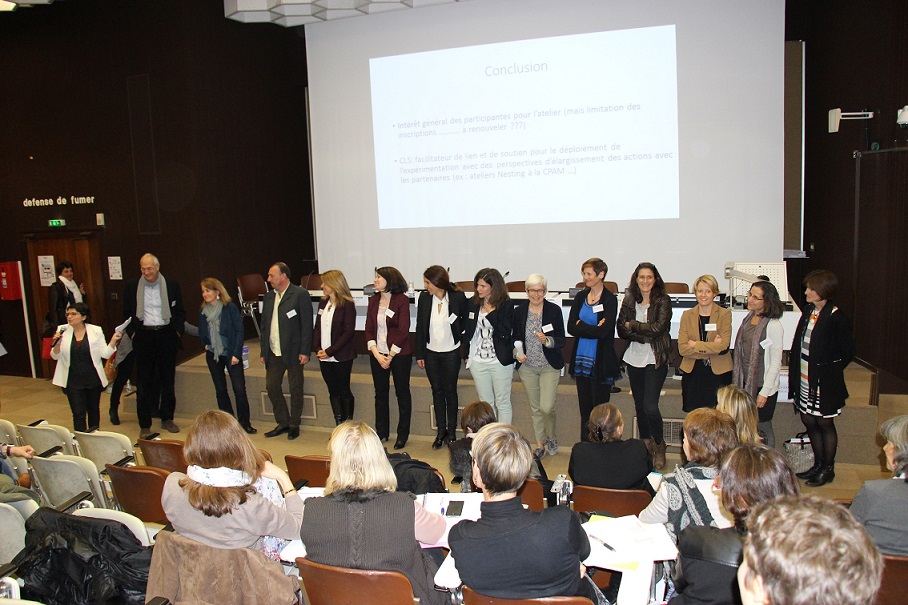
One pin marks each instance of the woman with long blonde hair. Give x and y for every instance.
(333, 335)
(737, 403)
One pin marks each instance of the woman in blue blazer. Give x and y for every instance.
(221, 331)
(79, 349)
(539, 338)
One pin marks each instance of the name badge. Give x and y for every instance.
(452, 318)
(597, 308)
(547, 328)
(291, 313)
(321, 311)
(389, 313)
(711, 327)
(173, 303)
(766, 343)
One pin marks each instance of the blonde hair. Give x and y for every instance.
(358, 460)
(335, 280)
(214, 440)
(213, 283)
(710, 281)
(536, 280)
(503, 458)
(737, 403)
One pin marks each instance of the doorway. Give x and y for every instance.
(83, 250)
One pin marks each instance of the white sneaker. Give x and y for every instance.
(551, 446)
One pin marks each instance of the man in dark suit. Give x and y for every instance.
(155, 305)
(286, 345)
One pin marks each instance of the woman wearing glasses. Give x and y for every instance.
(758, 353)
(539, 336)
(80, 349)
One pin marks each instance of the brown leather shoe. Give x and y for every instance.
(659, 455)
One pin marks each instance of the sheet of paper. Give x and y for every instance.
(123, 325)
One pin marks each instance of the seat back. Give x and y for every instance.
(8, 433)
(676, 287)
(895, 579)
(104, 447)
(611, 286)
(138, 490)
(249, 286)
(329, 585)
(532, 494)
(12, 533)
(465, 286)
(166, 454)
(515, 286)
(63, 477)
(313, 281)
(471, 597)
(134, 524)
(186, 571)
(46, 436)
(619, 502)
(313, 468)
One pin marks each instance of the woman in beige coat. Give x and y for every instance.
(704, 337)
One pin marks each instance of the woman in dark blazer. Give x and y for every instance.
(333, 336)
(644, 321)
(221, 333)
(594, 364)
(440, 318)
(388, 340)
(607, 460)
(539, 338)
(490, 324)
(821, 348)
(61, 294)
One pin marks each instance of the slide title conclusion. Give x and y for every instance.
(514, 69)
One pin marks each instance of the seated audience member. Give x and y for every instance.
(473, 417)
(608, 461)
(686, 497)
(881, 505)
(737, 403)
(222, 501)
(708, 557)
(807, 551)
(363, 523)
(512, 552)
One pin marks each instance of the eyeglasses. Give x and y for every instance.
(754, 296)
(534, 291)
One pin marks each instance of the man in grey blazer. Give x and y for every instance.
(286, 344)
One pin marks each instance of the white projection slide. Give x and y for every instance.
(572, 128)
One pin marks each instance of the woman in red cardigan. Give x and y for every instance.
(333, 335)
(388, 340)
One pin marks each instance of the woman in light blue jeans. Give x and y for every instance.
(539, 337)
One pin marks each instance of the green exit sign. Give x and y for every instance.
(56, 222)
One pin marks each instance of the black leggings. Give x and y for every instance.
(824, 440)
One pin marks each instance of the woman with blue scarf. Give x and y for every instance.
(594, 364)
(221, 331)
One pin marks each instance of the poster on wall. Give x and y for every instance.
(46, 270)
(114, 267)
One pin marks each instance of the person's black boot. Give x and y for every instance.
(336, 408)
(348, 404)
(811, 472)
(824, 476)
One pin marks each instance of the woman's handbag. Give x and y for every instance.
(110, 368)
(799, 453)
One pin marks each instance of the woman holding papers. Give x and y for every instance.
(362, 522)
(758, 353)
(80, 349)
(388, 340)
(591, 322)
(221, 333)
(708, 557)
(704, 337)
(644, 321)
(440, 318)
(333, 335)
(539, 336)
(490, 323)
(686, 497)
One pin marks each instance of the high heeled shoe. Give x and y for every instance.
(811, 472)
(439, 440)
(824, 476)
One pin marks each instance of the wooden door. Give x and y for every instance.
(83, 250)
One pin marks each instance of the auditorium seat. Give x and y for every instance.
(313, 469)
(619, 502)
(329, 585)
(465, 286)
(164, 453)
(515, 286)
(249, 286)
(471, 597)
(675, 287)
(313, 281)
(895, 579)
(611, 286)
(532, 494)
(138, 491)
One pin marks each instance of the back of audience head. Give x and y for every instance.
(751, 474)
(475, 416)
(895, 432)
(606, 423)
(708, 435)
(737, 403)
(807, 551)
(358, 461)
(216, 440)
(501, 458)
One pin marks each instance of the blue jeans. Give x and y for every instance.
(237, 381)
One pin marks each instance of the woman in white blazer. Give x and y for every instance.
(79, 349)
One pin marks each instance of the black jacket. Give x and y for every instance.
(654, 331)
(831, 349)
(294, 317)
(551, 315)
(502, 320)
(606, 360)
(457, 305)
(707, 567)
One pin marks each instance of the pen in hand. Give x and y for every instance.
(603, 542)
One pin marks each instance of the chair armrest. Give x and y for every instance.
(83, 496)
(36, 422)
(158, 601)
(50, 452)
(8, 569)
(301, 484)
